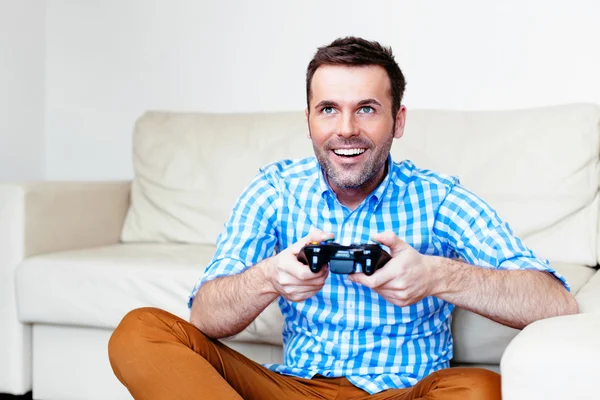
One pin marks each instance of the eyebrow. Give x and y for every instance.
(329, 103)
(369, 101)
(326, 103)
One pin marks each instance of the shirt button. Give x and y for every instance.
(338, 364)
(345, 336)
(351, 306)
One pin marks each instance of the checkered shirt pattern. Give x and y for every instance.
(347, 329)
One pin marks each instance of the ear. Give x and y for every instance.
(400, 121)
(307, 122)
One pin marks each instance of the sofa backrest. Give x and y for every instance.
(190, 169)
(537, 167)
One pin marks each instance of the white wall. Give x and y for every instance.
(21, 90)
(108, 61)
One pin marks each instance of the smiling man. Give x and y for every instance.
(383, 336)
(354, 156)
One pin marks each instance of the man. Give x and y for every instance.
(384, 336)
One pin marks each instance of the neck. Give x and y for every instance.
(352, 197)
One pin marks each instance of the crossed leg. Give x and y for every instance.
(158, 356)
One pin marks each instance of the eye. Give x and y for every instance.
(366, 110)
(327, 110)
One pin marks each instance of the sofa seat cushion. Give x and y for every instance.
(481, 340)
(96, 287)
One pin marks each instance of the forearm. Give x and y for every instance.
(514, 298)
(226, 306)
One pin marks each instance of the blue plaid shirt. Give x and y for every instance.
(347, 329)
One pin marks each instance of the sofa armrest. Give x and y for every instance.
(37, 218)
(55, 216)
(554, 358)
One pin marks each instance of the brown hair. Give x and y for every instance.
(354, 51)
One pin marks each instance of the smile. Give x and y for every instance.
(349, 152)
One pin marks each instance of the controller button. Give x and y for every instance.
(315, 260)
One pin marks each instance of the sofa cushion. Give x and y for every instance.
(96, 287)
(481, 340)
(190, 169)
(537, 167)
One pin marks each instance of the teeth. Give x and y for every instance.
(348, 152)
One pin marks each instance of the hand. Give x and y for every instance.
(405, 279)
(292, 279)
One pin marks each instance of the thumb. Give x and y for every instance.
(359, 277)
(315, 235)
(392, 241)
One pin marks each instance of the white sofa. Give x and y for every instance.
(76, 257)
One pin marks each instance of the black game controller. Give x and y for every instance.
(343, 259)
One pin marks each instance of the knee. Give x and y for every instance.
(483, 384)
(467, 383)
(130, 331)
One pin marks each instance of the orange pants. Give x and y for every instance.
(159, 356)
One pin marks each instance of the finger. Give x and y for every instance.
(372, 281)
(392, 241)
(298, 291)
(318, 235)
(376, 280)
(301, 292)
(319, 277)
(300, 297)
(301, 275)
(400, 298)
(315, 235)
(302, 271)
(359, 277)
(306, 276)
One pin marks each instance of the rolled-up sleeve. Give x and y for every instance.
(249, 235)
(475, 232)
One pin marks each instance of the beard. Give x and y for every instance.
(356, 175)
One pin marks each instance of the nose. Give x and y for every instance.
(347, 126)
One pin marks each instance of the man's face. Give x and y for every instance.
(351, 124)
